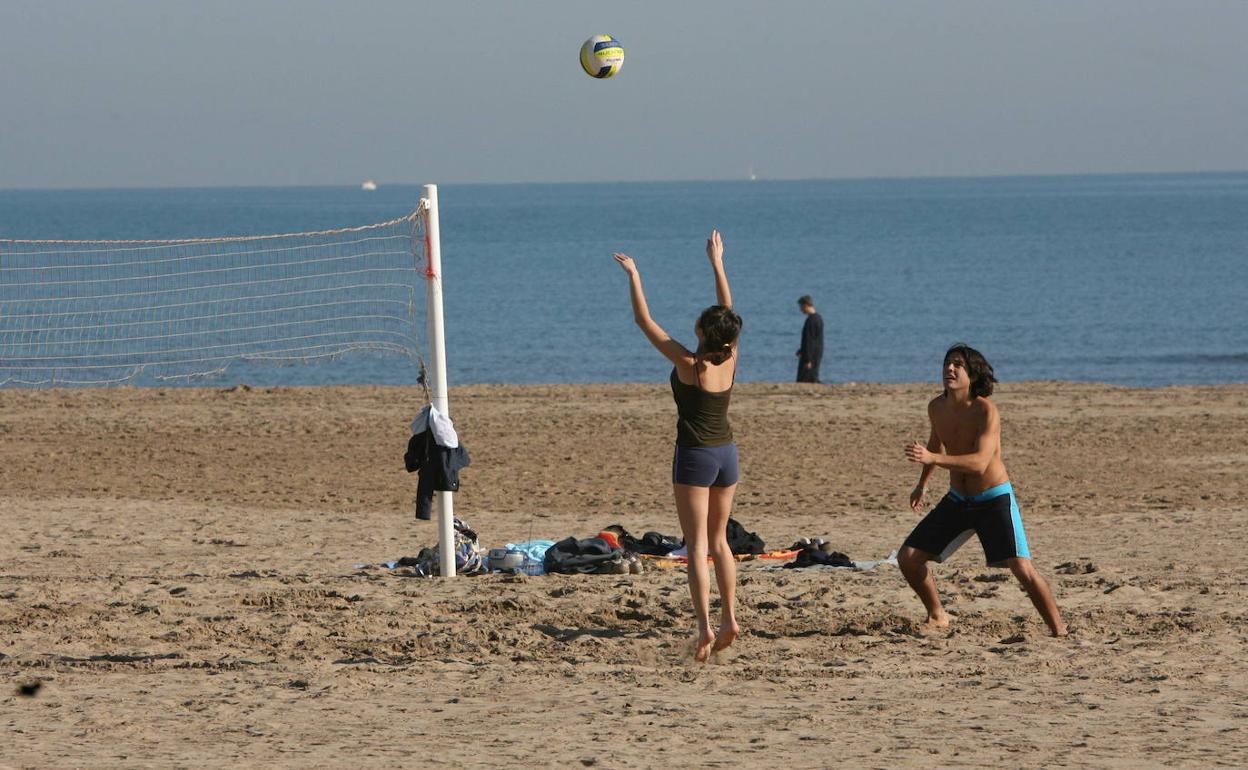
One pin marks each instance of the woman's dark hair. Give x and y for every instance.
(720, 327)
(977, 368)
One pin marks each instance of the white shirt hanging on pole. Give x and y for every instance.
(443, 429)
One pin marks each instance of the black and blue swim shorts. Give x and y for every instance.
(992, 515)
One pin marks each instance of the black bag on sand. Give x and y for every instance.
(591, 556)
(742, 542)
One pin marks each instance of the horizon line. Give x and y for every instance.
(742, 180)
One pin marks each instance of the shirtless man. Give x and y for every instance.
(966, 440)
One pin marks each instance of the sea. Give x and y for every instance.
(1138, 280)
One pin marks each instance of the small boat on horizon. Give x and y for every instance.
(368, 184)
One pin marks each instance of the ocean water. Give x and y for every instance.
(1134, 280)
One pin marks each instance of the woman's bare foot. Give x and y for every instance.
(702, 647)
(727, 635)
(939, 620)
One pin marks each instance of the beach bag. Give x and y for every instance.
(742, 542)
(470, 557)
(590, 556)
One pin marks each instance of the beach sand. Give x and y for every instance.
(177, 575)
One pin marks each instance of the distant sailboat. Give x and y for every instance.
(753, 177)
(368, 184)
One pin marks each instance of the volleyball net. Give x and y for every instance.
(106, 312)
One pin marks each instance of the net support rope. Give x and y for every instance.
(109, 311)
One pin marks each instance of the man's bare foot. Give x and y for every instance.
(937, 621)
(702, 647)
(1059, 632)
(727, 635)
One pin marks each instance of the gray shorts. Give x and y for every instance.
(705, 466)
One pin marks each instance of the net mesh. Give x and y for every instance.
(103, 312)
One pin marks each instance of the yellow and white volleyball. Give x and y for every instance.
(602, 56)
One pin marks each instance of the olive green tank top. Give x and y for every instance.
(701, 416)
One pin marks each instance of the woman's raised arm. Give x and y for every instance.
(673, 350)
(715, 253)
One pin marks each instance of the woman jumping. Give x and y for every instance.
(704, 466)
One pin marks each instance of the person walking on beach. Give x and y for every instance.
(704, 465)
(810, 354)
(966, 439)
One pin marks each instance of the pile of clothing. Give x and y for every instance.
(740, 540)
(650, 544)
(591, 556)
(817, 553)
(613, 551)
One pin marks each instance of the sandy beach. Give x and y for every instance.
(177, 585)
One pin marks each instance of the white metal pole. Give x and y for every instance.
(437, 341)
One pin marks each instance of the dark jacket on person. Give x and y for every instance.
(438, 467)
(811, 351)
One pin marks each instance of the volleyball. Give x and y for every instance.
(602, 56)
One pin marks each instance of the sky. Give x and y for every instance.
(156, 93)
